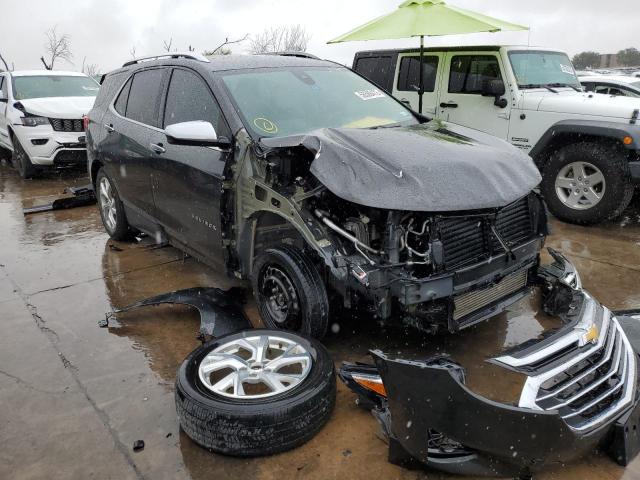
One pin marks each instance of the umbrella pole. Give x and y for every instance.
(421, 87)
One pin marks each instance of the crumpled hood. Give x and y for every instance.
(433, 167)
(591, 104)
(59, 107)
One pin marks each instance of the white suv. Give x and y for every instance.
(585, 145)
(41, 117)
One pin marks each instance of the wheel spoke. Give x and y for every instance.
(261, 348)
(593, 196)
(595, 178)
(225, 383)
(564, 182)
(273, 381)
(284, 361)
(218, 361)
(573, 200)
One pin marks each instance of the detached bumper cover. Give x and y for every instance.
(581, 392)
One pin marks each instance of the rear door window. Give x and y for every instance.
(378, 70)
(409, 74)
(469, 72)
(189, 99)
(2, 88)
(144, 96)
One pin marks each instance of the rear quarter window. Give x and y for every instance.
(108, 88)
(409, 74)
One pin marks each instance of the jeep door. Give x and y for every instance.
(461, 99)
(130, 123)
(406, 82)
(187, 178)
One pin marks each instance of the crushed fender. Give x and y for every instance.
(220, 310)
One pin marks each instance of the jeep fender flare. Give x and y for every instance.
(584, 128)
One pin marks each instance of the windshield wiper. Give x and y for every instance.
(560, 85)
(537, 85)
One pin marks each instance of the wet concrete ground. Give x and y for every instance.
(74, 397)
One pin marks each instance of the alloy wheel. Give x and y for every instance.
(107, 203)
(255, 367)
(580, 185)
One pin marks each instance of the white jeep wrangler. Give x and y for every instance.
(585, 144)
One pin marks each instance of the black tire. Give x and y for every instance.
(307, 305)
(21, 161)
(257, 426)
(121, 230)
(611, 160)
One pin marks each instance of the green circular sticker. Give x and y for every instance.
(265, 125)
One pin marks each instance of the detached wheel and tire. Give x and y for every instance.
(111, 208)
(257, 392)
(290, 292)
(21, 161)
(587, 182)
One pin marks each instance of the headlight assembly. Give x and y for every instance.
(33, 121)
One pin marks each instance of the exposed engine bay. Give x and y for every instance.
(440, 268)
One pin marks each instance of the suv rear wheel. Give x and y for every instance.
(290, 292)
(587, 182)
(111, 208)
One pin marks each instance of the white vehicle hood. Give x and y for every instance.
(583, 103)
(59, 107)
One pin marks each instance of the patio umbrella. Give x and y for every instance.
(425, 18)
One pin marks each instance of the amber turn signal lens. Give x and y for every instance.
(373, 384)
(627, 140)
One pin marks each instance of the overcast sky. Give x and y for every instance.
(104, 31)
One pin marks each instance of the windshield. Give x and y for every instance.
(53, 86)
(288, 101)
(542, 69)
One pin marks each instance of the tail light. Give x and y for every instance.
(85, 122)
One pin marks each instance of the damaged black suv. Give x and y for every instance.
(304, 177)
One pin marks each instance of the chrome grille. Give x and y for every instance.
(585, 383)
(66, 125)
(467, 303)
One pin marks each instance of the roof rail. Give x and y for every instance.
(293, 54)
(187, 55)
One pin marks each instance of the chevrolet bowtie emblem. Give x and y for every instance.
(592, 335)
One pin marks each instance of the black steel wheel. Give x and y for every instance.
(289, 292)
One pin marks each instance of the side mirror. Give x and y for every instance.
(197, 133)
(496, 89)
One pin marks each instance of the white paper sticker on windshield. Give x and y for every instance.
(369, 94)
(567, 69)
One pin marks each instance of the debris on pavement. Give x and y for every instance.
(138, 445)
(220, 310)
(82, 196)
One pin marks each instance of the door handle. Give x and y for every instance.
(109, 128)
(448, 105)
(158, 148)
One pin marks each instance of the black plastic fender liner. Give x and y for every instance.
(220, 311)
(428, 395)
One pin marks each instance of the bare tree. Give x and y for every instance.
(223, 49)
(286, 38)
(6, 67)
(167, 45)
(132, 52)
(57, 46)
(91, 69)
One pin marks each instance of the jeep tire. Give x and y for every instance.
(239, 423)
(290, 292)
(587, 182)
(21, 161)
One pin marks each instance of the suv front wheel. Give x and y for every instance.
(290, 292)
(587, 182)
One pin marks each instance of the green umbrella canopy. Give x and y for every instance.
(415, 18)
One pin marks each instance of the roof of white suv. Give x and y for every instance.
(35, 73)
(619, 79)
